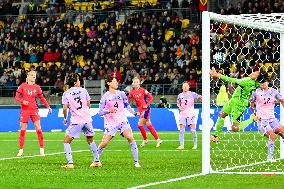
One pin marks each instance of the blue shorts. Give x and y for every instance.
(187, 121)
(266, 125)
(119, 127)
(74, 130)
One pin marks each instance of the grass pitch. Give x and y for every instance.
(158, 164)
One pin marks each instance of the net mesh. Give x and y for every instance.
(237, 51)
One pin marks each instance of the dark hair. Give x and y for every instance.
(263, 77)
(72, 79)
(108, 79)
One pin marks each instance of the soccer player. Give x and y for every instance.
(78, 101)
(263, 99)
(143, 100)
(185, 103)
(237, 104)
(26, 95)
(112, 106)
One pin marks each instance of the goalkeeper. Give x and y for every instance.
(237, 104)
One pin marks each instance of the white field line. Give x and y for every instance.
(242, 166)
(76, 151)
(85, 140)
(250, 173)
(166, 181)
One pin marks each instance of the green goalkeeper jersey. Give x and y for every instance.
(245, 87)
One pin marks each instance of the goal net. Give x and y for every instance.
(236, 45)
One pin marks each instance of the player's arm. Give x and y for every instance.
(19, 94)
(252, 102)
(65, 108)
(65, 113)
(149, 97)
(88, 98)
(43, 100)
(102, 108)
(130, 96)
(179, 103)
(126, 104)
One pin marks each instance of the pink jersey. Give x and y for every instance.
(186, 101)
(76, 98)
(265, 102)
(118, 101)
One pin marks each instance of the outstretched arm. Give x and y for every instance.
(126, 104)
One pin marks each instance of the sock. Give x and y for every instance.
(134, 150)
(153, 131)
(143, 131)
(100, 150)
(245, 123)
(181, 136)
(40, 138)
(22, 138)
(270, 146)
(93, 147)
(194, 137)
(68, 153)
(219, 125)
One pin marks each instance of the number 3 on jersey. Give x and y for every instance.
(78, 100)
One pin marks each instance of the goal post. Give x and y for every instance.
(264, 22)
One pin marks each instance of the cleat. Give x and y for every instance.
(181, 147)
(194, 147)
(136, 164)
(96, 164)
(159, 142)
(41, 152)
(68, 166)
(144, 142)
(20, 153)
(214, 138)
(271, 160)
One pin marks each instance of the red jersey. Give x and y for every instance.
(141, 96)
(30, 93)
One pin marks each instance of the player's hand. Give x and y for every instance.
(65, 121)
(144, 106)
(50, 111)
(181, 108)
(26, 103)
(112, 110)
(214, 73)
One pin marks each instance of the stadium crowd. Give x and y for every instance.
(159, 47)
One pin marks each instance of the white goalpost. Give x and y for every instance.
(243, 152)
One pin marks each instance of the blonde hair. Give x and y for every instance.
(136, 79)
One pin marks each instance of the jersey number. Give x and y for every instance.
(185, 102)
(78, 100)
(266, 100)
(116, 105)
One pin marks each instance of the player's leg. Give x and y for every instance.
(270, 144)
(181, 135)
(280, 131)
(68, 152)
(22, 137)
(151, 128)
(141, 123)
(127, 133)
(36, 121)
(219, 125)
(89, 133)
(108, 135)
(265, 128)
(194, 136)
(247, 122)
(73, 131)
